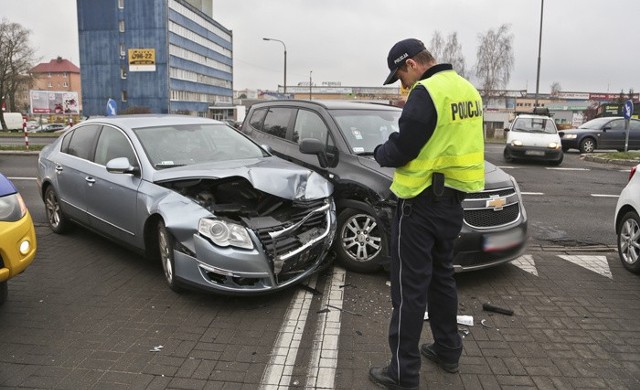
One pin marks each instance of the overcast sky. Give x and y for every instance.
(587, 45)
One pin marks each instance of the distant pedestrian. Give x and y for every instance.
(438, 156)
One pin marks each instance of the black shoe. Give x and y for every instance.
(380, 377)
(428, 352)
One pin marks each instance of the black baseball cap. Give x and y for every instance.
(399, 53)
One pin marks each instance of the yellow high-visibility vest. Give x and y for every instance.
(456, 147)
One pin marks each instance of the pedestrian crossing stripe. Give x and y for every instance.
(597, 264)
(526, 263)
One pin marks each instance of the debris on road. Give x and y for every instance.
(496, 309)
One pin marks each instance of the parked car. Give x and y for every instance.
(337, 139)
(50, 128)
(627, 222)
(602, 133)
(218, 211)
(18, 244)
(533, 137)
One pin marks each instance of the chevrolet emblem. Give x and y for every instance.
(496, 203)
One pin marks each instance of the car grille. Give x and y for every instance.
(313, 224)
(479, 215)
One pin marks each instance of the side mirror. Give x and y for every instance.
(606, 128)
(120, 165)
(267, 148)
(314, 146)
(506, 129)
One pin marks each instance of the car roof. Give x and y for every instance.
(149, 120)
(529, 116)
(332, 104)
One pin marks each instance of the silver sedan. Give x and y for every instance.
(218, 211)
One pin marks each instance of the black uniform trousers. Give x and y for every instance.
(423, 233)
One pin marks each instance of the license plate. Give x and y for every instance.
(502, 241)
(534, 153)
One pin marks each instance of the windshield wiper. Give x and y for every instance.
(164, 165)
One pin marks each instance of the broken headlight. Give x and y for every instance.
(224, 233)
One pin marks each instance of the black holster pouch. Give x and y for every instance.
(437, 184)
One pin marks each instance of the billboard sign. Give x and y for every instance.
(142, 60)
(54, 102)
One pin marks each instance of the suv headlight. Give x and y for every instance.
(224, 233)
(516, 142)
(570, 136)
(12, 208)
(554, 145)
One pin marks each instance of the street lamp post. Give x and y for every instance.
(539, 49)
(285, 61)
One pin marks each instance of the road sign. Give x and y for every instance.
(111, 107)
(628, 109)
(627, 112)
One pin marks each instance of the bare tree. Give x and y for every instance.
(453, 54)
(449, 51)
(495, 59)
(436, 46)
(16, 59)
(555, 89)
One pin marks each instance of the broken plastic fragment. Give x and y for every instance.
(482, 322)
(460, 319)
(156, 349)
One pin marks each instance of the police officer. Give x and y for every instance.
(438, 156)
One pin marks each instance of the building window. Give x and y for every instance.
(64, 75)
(49, 75)
(123, 73)
(122, 52)
(123, 96)
(121, 4)
(121, 26)
(65, 84)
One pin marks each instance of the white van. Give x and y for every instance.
(13, 121)
(533, 137)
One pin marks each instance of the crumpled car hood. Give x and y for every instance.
(271, 175)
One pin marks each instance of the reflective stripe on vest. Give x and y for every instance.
(456, 147)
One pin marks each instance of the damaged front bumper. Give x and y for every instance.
(283, 255)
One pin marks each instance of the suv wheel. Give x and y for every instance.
(360, 241)
(629, 241)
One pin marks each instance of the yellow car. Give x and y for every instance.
(17, 235)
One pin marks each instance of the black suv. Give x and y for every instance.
(337, 139)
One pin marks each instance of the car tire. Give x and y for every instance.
(629, 241)
(558, 161)
(165, 248)
(587, 145)
(4, 291)
(56, 219)
(359, 241)
(506, 156)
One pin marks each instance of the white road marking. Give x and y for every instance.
(526, 263)
(532, 193)
(21, 178)
(604, 196)
(277, 374)
(569, 169)
(507, 167)
(598, 264)
(324, 355)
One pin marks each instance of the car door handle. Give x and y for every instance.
(90, 180)
(59, 169)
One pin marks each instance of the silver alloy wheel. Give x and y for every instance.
(629, 241)
(53, 209)
(165, 253)
(360, 237)
(588, 145)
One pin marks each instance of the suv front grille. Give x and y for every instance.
(478, 213)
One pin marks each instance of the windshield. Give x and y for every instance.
(594, 123)
(535, 125)
(178, 145)
(366, 129)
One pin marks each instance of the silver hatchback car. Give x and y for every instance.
(220, 212)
